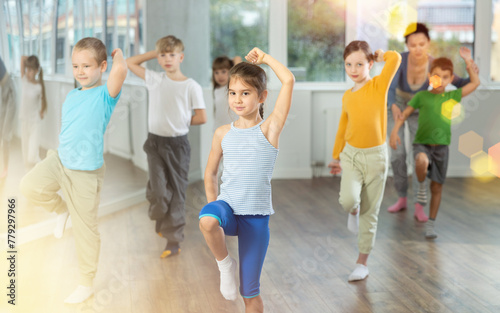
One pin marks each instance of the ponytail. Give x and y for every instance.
(261, 110)
(44, 97)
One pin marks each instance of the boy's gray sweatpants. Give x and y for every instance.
(168, 163)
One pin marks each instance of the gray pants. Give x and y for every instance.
(168, 162)
(399, 156)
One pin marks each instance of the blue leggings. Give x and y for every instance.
(253, 240)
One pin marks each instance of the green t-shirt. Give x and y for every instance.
(434, 126)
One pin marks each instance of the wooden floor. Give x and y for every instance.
(310, 257)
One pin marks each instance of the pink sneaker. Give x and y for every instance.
(420, 214)
(398, 206)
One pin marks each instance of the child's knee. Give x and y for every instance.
(349, 202)
(208, 223)
(421, 159)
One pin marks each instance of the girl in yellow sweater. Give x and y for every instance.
(360, 149)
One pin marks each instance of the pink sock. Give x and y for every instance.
(398, 206)
(419, 213)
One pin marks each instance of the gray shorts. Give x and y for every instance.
(438, 160)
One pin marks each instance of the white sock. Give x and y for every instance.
(80, 294)
(61, 220)
(429, 229)
(422, 193)
(353, 223)
(359, 273)
(227, 268)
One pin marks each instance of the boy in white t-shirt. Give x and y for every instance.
(172, 98)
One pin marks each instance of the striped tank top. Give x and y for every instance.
(248, 167)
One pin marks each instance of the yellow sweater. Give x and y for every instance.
(363, 122)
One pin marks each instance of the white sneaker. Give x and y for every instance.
(359, 273)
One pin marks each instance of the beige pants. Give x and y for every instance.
(364, 172)
(81, 190)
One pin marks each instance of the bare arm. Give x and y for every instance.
(23, 65)
(211, 183)
(199, 117)
(134, 63)
(474, 76)
(278, 117)
(117, 74)
(394, 139)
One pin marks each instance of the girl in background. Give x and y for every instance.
(220, 77)
(360, 145)
(33, 108)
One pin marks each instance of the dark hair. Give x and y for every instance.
(443, 63)
(359, 45)
(416, 28)
(33, 63)
(220, 63)
(94, 45)
(253, 76)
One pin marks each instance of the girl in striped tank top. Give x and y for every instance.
(243, 206)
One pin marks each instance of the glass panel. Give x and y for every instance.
(61, 35)
(121, 27)
(110, 25)
(316, 39)
(237, 26)
(46, 37)
(135, 27)
(13, 36)
(495, 45)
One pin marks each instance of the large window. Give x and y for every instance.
(50, 29)
(237, 26)
(13, 35)
(316, 39)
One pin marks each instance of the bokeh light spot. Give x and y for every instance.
(494, 160)
(435, 81)
(399, 16)
(470, 143)
(451, 109)
(479, 163)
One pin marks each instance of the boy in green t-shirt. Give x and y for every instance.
(430, 148)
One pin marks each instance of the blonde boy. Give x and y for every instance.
(77, 167)
(172, 98)
(430, 147)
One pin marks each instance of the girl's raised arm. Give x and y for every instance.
(278, 117)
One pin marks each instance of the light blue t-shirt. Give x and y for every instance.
(85, 116)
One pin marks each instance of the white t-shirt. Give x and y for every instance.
(31, 101)
(171, 103)
(223, 115)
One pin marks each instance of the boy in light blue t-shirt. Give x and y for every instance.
(77, 168)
